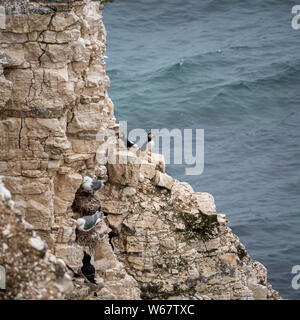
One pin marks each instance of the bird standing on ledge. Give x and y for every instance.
(87, 223)
(87, 269)
(91, 185)
(129, 144)
(148, 145)
(145, 148)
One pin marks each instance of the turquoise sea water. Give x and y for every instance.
(233, 69)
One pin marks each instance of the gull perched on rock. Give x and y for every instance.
(91, 184)
(4, 193)
(87, 223)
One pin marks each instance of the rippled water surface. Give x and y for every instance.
(232, 68)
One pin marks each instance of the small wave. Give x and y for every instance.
(206, 63)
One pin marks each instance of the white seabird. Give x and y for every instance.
(4, 193)
(148, 145)
(87, 223)
(91, 184)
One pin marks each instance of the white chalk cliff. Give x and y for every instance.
(172, 243)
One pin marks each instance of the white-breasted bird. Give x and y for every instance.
(128, 143)
(4, 193)
(87, 223)
(91, 184)
(148, 145)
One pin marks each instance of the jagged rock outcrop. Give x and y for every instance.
(175, 244)
(32, 271)
(57, 125)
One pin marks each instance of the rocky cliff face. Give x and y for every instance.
(32, 271)
(53, 103)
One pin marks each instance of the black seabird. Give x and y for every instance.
(110, 236)
(88, 270)
(129, 144)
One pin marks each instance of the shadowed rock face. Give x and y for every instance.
(85, 203)
(53, 101)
